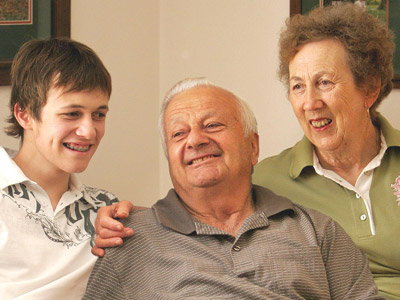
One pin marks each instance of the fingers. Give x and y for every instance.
(106, 218)
(108, 238)
(110, 232)
(105, 233)
(106, 243)
(122, 209)
(108, 223)
(97, 251)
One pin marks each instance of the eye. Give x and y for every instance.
(71, 115)
(213, 125)
(297, 87)
(177, 134)
(99, 115)
(324, 83)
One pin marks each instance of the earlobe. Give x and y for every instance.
(22, 116)
(372, 92)
(255, 148)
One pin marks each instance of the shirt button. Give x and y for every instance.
(367, 172)
(358, 196)
(363, 217)
(236, 248)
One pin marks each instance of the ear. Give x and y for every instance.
(372, 90)
(23, 117)
(255, 147)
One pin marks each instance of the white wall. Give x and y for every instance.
(126, 37)
(148, 45)
(234, 44)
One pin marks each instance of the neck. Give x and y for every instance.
(350, 159)
(54, 183)
(225, 209)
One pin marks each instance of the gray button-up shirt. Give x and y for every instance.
(282, 251)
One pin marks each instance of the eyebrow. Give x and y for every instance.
(81, 106)
(295, 78)
(319, 74)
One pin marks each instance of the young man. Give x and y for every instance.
(59, 102)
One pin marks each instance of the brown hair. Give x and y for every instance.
(58, 62)
(368, 43)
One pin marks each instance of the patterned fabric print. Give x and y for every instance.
(396, 188)
(66, 229)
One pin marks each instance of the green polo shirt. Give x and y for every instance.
(291, 174)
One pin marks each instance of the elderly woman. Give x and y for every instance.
(337, 65)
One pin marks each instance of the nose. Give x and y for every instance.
(86, 128)
(197, 138)
(312, 99)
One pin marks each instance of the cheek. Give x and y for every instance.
(174, 153)
(296, 105)
(101, 130)
(60, 130)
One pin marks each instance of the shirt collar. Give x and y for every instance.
(303, 150)
(374, 163)
(10, 172)
(392, 136)
(172, 214)
(303, 158)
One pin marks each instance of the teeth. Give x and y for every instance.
(196, 161)
(322, 123)
(77, 147)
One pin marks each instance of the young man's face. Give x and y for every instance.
(69, 131)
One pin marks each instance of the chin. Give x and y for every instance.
(205, 183)
(77, 169)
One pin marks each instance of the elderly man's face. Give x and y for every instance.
(205, 140)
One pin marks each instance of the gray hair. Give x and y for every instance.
(247, 117)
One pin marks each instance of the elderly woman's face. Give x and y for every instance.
(329, 106)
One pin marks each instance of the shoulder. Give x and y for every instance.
(324, 227)
(315, 217)
(301, 151)
(141, 216)
(272, 169)
(145, 224)
(147, 231)
(276, 160)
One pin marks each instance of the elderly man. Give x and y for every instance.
(215, 235)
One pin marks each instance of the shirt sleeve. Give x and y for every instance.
(104, 282)
(347, 268)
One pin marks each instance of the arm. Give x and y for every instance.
(109, 231)
(347, 268)
(103, 282)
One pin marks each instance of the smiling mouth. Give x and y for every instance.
(77, 147)
(199, 160)
(321, 123)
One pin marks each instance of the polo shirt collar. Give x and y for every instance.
(303, 157)
(392, 136)
(172, 214)
(10, 172)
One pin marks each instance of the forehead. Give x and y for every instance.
(202, 101)
(329, 53)
(63, 95)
